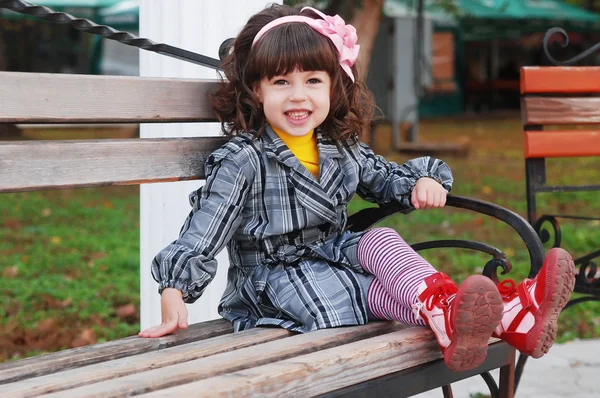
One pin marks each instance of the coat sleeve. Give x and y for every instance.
(188, 264)
(383, 182)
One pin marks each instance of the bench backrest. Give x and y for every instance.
(560, 96)
(34, 98)
(560, 111)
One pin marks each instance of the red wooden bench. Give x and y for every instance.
(560, 109)
(567, 98)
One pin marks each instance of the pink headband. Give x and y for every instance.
(341, 35)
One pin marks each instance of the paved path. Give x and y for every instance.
(568, 370)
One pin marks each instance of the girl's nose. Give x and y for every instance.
(297, 93)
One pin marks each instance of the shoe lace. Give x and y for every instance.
(507, 287)
(438, 293)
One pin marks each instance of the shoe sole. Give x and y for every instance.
(560, 281)
(477, 312)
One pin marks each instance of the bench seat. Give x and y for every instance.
(209, 360)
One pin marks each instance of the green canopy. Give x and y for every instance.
(74, 3)
(124, 15)
(505, 9)
(78, 8)
(486, 19)
(525, 9)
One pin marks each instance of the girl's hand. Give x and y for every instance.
(428, 194)
(174, 315)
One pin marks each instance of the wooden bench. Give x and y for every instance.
(379, 359)
(568, 97)
(560, 112)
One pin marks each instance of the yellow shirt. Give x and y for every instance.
(304, 148)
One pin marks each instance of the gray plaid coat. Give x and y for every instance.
(291, 262)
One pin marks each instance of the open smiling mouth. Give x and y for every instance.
(298, 115)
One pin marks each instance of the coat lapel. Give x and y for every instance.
(332, 178)
(309, 192)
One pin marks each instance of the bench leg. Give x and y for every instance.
(507, 379)
(447, 390)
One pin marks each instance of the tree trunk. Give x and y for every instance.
(591, 5)
(366, 21)
(3, 52)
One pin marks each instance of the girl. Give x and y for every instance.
(276, 196)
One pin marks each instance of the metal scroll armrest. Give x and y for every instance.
(368, 217)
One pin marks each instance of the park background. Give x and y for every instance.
(70, 259)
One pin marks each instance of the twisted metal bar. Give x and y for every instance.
(365, 218)
(85, 25)
(564, 44)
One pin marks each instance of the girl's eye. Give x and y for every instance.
(314, 81)
(280, 82)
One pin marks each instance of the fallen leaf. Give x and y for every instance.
(46, 325)
(126, 311)
(55, 240)
(12, 223)
(46, 212)
(10, 272)
(66, 302)
(98, 255)
(86, 337)
(486, 190)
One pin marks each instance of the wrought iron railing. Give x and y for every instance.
(85, 25)
(564, 43)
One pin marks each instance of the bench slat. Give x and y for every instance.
(556, 110)
(63, 98)
(323, 371)
(139, 363)
(270, 351)
(36, 165)
(551, 144)
(76, 357)
(572, 80)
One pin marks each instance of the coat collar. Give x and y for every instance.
(274, 146)
(316, 196)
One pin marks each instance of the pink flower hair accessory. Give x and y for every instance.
(342, 36)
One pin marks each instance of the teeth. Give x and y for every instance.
(298, 115)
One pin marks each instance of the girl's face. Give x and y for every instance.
(296, 102)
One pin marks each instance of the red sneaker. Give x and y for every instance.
(531, 308)
(462, 318)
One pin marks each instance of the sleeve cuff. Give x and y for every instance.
(190, 291)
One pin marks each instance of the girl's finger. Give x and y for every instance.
(160, 330)
(423, 194)
(429, 199)
(437, 200)
(147, 332)
(414, 200)
(182, 323)
(443, 201)
(164, 329)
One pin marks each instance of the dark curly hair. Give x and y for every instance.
(283, 49)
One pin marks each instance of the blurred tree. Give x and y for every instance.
(365, 16)
(592, 5)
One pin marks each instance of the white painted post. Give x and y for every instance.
(198, 26)
(404, 98)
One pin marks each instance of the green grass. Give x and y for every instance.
(69, 259)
